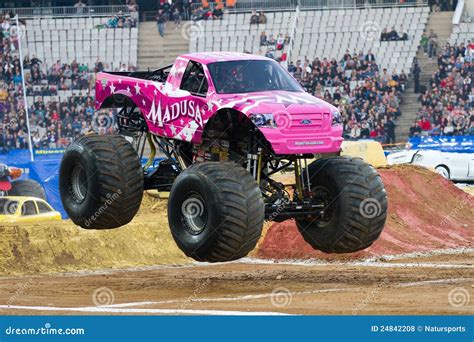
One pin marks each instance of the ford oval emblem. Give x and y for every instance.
(305, 122)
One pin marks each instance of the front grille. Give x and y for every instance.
(309, 122)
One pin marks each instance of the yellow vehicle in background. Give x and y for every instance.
(17, 209)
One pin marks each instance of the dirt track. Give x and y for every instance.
(441, 284)
(426, 214)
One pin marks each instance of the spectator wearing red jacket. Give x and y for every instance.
(425, 124)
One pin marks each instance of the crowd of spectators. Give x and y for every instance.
(59, 76)
(13, 128)
(368, 100)
(442, 5)
(55, 123)
(202, 13)
(120, 20)
(394, 35)
(274, 46)
(447, 104)
(258, 18)
(177, 11)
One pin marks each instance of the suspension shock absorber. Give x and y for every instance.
(259, 165)
(298, 178)
(307, 174)
(254, 158)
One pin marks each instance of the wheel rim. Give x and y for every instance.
(443, 172)
(323, 196)
(195, 214)
(79, 183)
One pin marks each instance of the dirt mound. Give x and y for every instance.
(61, 246)
(425, 212)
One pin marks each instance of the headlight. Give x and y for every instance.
(263, 120)
(336, 118)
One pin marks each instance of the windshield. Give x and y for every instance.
(249, 76)
(8, 207)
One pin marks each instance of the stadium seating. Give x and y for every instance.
(79, 39)
(462, 33)
(323, 33)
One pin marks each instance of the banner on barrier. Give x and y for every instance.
(460, 144)
(45, 170)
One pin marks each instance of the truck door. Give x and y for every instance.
(179, 106)
(195, 83)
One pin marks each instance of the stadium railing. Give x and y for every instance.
(285, 5)
(458, 12)
(62, 12)
(350, 4)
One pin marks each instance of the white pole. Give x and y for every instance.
(18, 33)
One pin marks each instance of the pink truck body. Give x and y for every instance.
(304, 123)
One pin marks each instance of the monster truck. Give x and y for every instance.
(226, 124)
(10, 185)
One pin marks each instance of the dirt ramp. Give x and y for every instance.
(61, 246)
(426, 212)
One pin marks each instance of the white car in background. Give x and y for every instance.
(451, 165)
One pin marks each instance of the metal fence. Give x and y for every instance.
(279, 5)
(249, 5)
(86, 11)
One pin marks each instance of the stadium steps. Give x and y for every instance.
(155, 51)
(408, 108)
(441, 23)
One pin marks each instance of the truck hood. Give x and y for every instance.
(303, 122)
(274, 102)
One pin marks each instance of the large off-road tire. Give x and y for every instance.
(101, 182)
(216, 211)
(27, 187)
(355, 205)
